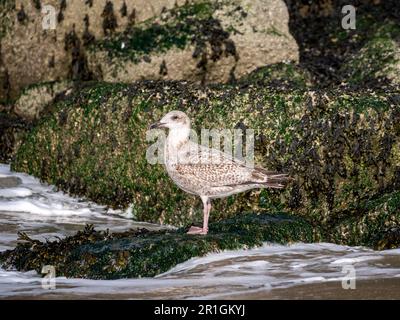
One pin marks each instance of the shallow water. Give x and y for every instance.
(269, 272)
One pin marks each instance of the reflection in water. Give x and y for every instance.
(271, 271)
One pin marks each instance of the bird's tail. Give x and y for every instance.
(277, 181)
(273, 179)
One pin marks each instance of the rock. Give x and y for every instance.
(341, 147)
(4, 85)
(366, 56)
(34, 99)
(280, 75)
(390, 239)
(9, 182)
(31, 54)
(202, 41)
(12, 133)
(236, 38)
(378, 58)
(142, 253)
(373, 223)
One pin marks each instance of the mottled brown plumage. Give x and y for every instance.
(206, 172)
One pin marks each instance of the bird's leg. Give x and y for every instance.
(206, 213)
(206, 216)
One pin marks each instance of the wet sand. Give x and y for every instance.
(370, 289)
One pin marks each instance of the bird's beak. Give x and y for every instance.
(156, 125)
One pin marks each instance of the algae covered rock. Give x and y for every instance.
(379, 57)
(285, 75)
(45, 41)
(206, 41)
(374, 223)
(341, 147)
(362, 57)
(142, 253)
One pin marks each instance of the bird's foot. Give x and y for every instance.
(197, 230)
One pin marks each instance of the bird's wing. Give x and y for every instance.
(215, 168)
(202, 154)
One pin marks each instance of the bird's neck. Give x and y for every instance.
(178, 137)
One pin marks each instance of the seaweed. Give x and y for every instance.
(109, 19)
(142, 253)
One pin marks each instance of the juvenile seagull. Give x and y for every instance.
(206, 172)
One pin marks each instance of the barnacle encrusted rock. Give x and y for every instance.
(342, 147)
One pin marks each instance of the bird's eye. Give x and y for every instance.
(175, 117)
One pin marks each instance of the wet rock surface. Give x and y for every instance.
(142, 253)
(9, 182)
(12, 132)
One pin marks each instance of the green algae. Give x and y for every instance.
(141, 253)
(281, 74)
(177, 29)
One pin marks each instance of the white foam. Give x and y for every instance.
(15, 192)
(40, 208)
(347, 261)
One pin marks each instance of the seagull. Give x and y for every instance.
(206, 172)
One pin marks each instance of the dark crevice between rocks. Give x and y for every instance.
(324, 45)
(12, 128)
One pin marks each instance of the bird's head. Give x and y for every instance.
(174, 120)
